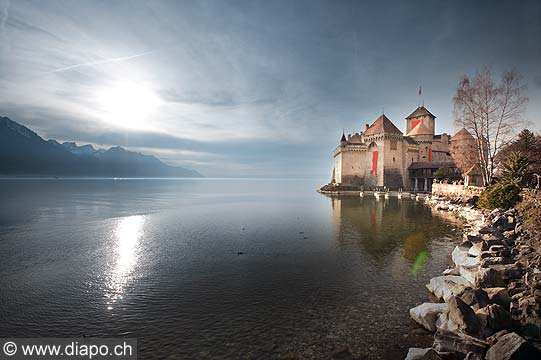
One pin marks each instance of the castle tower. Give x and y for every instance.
(385, 149)
(421, 115)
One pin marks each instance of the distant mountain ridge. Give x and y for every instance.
(24, 152)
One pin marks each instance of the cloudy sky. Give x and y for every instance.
(250, 88)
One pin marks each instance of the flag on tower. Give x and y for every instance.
(420, 90)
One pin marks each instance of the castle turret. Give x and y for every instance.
(343, 140)
(421, 115)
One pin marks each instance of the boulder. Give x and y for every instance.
(492, 239)
(495, 317)
(494, 338)
(452, 271)
(475, 298)
(512, 347)
(463, 316)
(495, 260)
(445, 286)
(498, 295)
(481, 277)
(477, 248)
(444, 323)
(462, 259)
(486, 229)
(469, 273)
(497, 248)
(473, 238)
(508, 271)
(422, 354)
(447, 341)
(427, 313)
(473, 356)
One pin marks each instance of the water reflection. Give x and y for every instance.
(384, 226)
(127, 235)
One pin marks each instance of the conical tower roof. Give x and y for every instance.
(382, 125)
(420, 111)
(462, 134)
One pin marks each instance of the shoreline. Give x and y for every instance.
(488, 303)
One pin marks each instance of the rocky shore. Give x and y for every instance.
(487, 306)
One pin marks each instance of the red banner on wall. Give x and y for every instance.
(430, 155)
(414, 123)
(374, 162)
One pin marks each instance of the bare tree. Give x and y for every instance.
(492, 112)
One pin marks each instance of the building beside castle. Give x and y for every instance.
(382, 155)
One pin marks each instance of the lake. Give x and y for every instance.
(216, 268)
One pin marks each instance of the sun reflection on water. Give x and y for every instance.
(127, 235)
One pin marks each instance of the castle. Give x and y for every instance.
(382, 156)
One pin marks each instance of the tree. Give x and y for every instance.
(515, 168)
(492, 112)
(526, 143)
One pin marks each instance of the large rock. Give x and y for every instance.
(498, 318)
(444, 287)
(495, 260)
(492, 239)
(473, 238)
(482, 277)
(498, 295)
(452, 271)
(494, 338)
(477, 248)
(469, 273)
(512, 347)
(462, 259)
(509, 271)
(473, 356)
(493, 318)
(463, 316)
(475, 298)
(427, 313)
(422, 354)
(447, 341)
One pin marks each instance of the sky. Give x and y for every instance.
(251, 88)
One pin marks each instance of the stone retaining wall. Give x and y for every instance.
(455, 191)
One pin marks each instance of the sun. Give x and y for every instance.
(128, 105)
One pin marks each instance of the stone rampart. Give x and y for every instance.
(455, 191)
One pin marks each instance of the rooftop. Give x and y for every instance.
(382, 125)
(420, 111)
(462, 134)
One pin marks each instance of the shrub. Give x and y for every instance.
(530, 207)
(500, 195)
(444, 173)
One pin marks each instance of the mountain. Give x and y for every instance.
(23, 152)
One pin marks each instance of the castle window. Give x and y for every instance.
(393, 159)
(394, 144)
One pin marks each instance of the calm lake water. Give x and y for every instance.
(213, 269)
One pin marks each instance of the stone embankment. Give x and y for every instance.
(487, 306)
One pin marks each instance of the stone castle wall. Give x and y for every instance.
(455, 191)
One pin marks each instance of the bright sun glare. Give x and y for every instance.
(128, 105)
